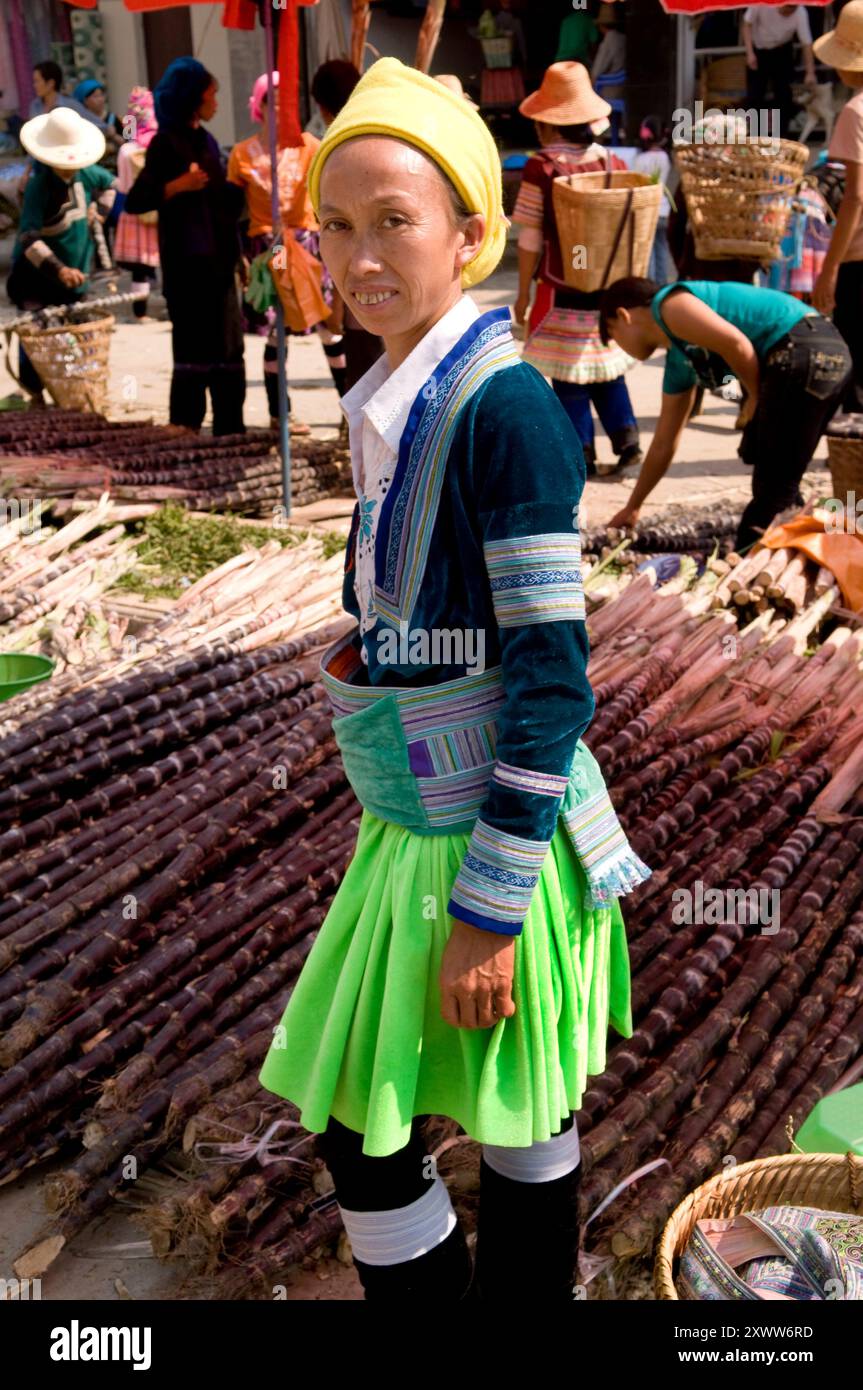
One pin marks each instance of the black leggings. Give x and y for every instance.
(527, 1233)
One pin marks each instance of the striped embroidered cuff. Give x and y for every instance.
(525, 779)
(611, 864)
(536, 579)
(495, 883)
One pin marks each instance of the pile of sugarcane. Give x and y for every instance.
(263, 595)
(72, 454)
(784, 579)
(170, 840)
(677, 530)
(52, 582)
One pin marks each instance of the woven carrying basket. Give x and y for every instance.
(846, 466)
(72, 361)
(833, 1182)
(615, 223)
(497, 53)
(738, 197)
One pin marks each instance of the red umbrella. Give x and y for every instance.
(704, 6)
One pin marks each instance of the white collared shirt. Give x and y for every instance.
(377, 410)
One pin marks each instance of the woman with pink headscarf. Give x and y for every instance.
(249, 167)
(137, 243)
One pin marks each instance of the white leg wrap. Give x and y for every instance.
(401, 1233)
(541, 1162)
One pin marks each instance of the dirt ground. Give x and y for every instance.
(706, 472)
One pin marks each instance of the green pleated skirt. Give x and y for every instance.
(362, 1037)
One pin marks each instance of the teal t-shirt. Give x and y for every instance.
(764, 316)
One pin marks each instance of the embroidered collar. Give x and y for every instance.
(410, 508)
(384, 397)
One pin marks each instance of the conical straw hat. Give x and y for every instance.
(842, 47)
(566, 97)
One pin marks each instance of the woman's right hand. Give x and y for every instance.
(71, 278)
(521, 308)
(194, 179)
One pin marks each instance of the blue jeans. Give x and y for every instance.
(612, 404)
(661, 268)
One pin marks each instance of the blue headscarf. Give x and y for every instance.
(178, 94)
(86, 89)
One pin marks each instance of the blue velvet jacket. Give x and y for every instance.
(478, 537)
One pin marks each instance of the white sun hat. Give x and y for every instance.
(63, 139)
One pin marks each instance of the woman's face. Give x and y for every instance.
(40, 86)
(265, 106)
(389, 239)
(96, 102)
(209, 102)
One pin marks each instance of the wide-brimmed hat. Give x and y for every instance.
(842, 47)
(63, 139)
(565, 97)
(453, 84)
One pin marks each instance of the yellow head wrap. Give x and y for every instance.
(392, 99)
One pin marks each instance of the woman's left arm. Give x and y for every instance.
(529, 474)
(697, 323)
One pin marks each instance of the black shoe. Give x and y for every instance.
(631, 455)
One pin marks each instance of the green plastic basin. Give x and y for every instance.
(18, 672)
(835, 1125)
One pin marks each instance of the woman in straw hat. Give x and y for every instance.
(839, 287)
(54, 248)
(475, 952)
(563, 339)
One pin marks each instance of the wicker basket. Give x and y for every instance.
(497, 52)
(603, 218)
(72, 360)
(833, 1182)
(846, 466)
(738, 196)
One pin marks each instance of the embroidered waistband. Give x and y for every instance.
(423, 757)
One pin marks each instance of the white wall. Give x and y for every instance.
(211, 46)
(125, 57)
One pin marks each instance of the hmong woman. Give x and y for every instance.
(475, 952)
(563, 329)
(183, 179)
(136, 248)
(249, 168)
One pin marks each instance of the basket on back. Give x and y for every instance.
(739, 196)
(605, 225)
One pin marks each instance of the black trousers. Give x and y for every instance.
(775, 70)
(207, 342)
(848, 318)
(802, 382)
(527, 1233)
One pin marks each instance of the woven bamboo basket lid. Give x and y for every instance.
(833, 1182)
